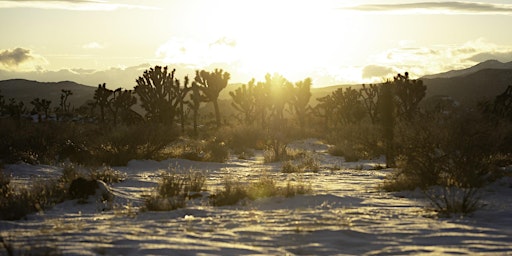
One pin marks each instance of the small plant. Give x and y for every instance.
(232, 192)
(452, 200)
(108, 175)
(195, 181)
(174, 189)
(289, 167)
(266, 186)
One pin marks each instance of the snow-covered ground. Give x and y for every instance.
(346, 215)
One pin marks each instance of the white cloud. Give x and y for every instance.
(436, 8)
(197, 53)
(93, 45)
(75, 5)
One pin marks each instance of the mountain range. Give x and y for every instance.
(468, 86)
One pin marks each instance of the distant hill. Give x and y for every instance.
(471, 88)
(489, 64)
(27, 90)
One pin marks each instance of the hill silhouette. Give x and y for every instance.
(27, 90)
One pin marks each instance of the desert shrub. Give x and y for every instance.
(449, 200)
(233, 191)
(174, 189)
(120, 145)
(216, 151)
(107, 175)
(290, 167)
(265, 186)
(17, 202)
(275, 151)
(441, 151)
(195, 181)
(242, 137)
(355, 142)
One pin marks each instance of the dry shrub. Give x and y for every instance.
(174, 189)
(355, 142)
(234, 191)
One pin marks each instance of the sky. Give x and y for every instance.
(330, 41)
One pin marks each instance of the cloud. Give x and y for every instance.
(505, 56)
(93, 45)
(196, 53)
(75, 5)
(375, 71)
(436, 8)
(15, 57)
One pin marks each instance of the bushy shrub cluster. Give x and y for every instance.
(174, 189)
(453, 153)
(233, 191)
(17, 201)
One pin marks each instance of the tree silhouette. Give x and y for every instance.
(196, 98)
(212, 83)
(182, 94)
(370, 95)
(280, 94)
(121, 104)
(408, 93)
(64, 107)
(300, 100)
(387, 112)
(244, 101)
(41, 106)
(102, 99)
(325, 109)
(348, 109)
(159, 91)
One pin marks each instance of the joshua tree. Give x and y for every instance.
(212, 83)
(64, 106)
(181, 97)
(370, 95)
(348, 109)
(159, 91)
(300, 99)
(408, 93)
(196, 98)
(280, 95)
(121, 103)
(244, 101)
(41, 106)
(102, 99)
(387, 112)
(325, 109)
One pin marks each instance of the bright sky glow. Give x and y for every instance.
(331, 41)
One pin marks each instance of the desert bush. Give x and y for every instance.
(107, 175)
(356, 141)
(290, 167)
(174, 189)
(233, 191)
(216, 151)
(17, 202)
(450, 200)
(264, 187)
(195, 181)
(242, 137)
(442, 151)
